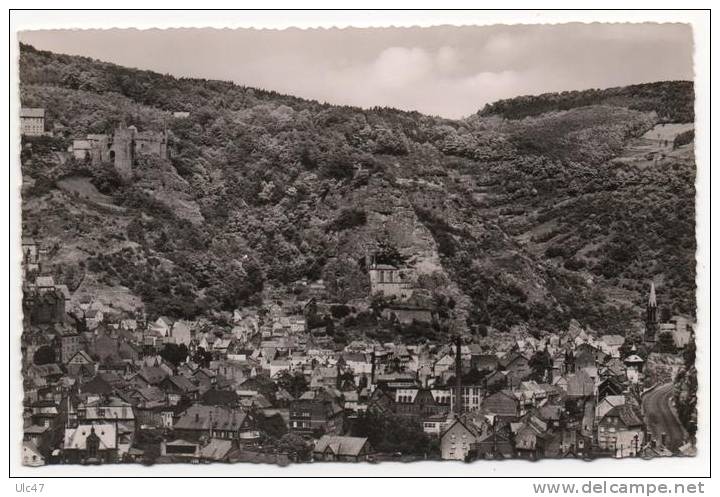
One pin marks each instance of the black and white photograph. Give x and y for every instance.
(466, 244)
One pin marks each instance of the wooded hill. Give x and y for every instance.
(532, 212)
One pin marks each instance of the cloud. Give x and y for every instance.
(445, 71)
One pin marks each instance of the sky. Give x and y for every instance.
(446, 71)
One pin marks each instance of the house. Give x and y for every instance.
(45, 374)
(458, 440)
(32, 121)
(150, 407)
(621, 430)
(682, 330)
(217, 450)
(316, 411)
(610, 344)
(221, 422)
(81, 364)
(151, 375)
(31, 455)
(552, 414)
(503, 404)
(115, 411)
(93, 318)
(41, 437)
(435, 425)
(44, 305)
(278, 366)
(568, 443)
(180, 332)
(96, 387)
(607, 404)
(178, 388)
(634, 364)
(530, 440)
(610, 385)
(484, 362)
(389, 281)
(179, 449)
(516, 366)
(90, 444)
(496, 444)
(324, 377)
(496, 381)
(345, 449)
(358, 363)
(579, 385)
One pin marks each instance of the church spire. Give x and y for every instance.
(651, 317)
(652, 300)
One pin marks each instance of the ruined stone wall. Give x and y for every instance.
(151, 142)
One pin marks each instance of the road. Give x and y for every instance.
(660, 418)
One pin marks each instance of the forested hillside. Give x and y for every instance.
(532, 212)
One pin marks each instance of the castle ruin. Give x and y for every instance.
(122, 149)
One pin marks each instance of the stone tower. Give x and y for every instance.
(123, 151)
(651, 317)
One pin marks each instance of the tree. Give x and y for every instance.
(202, 357)
(295, 447)
(295, 384)
(44, 355)
(541, 362)
(273, 426)
(665, 343)
(390, 433)
(174, 354)
(631, 341)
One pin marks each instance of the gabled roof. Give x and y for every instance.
(182, 383)
(341, 446)
(76, 438)
(216, 449)
(464, 423)
(98, 385)
(202, 417)
(626, 414)
(153, 375)
(83, 356)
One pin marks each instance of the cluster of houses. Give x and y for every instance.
(105, 386)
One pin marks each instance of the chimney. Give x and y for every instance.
(458, 377)
(117, 434)
(372, 368)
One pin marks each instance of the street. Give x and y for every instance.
(660, 418)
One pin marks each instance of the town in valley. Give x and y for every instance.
(381, 351)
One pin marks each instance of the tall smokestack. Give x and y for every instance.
(458, 377)
(372, 369)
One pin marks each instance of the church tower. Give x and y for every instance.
(651, 317)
